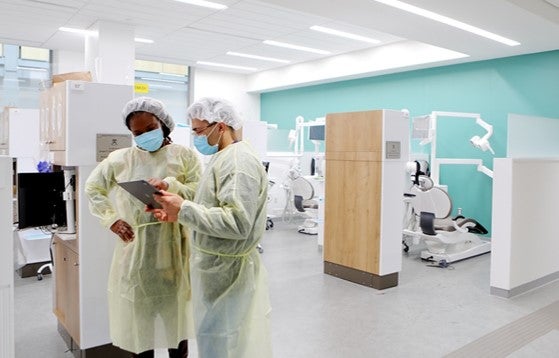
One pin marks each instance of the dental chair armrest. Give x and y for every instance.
(460, 228)
(473, 226)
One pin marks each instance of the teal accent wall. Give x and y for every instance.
(527, 84)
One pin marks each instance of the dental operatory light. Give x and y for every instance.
(208, 4)
(448, 21)
(347, 35)
(483, 142)
(296, 47)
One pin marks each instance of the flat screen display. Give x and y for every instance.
(316, 132)
(39, 199)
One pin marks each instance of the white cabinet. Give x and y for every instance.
(19, 133)
(73, 113)
(76, 118)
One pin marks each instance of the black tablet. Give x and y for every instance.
(143, 191)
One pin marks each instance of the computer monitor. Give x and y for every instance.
(316, 132)
(39, 199)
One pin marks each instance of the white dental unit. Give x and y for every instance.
(428, 205)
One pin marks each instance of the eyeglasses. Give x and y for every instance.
(198, 131)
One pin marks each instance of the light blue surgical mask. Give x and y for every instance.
(150, 141)
(201, 143)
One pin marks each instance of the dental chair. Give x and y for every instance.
(428, 220)
(305, 203)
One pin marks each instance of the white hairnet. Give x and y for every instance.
(150, 105)
(214, 110)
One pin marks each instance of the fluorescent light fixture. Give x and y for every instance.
(209, 4)
(231, 53)
(94, 33)
(448, 21)
(162, 80)
(226, 65)
(348, 35)
(78, 31)
(296, 47)
(31, 68)
(144, 41)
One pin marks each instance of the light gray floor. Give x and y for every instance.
(432, 312)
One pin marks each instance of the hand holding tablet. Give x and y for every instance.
(143, 191)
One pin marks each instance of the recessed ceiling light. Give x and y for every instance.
(209, 4)
(144, 41)
(348, 35)
(296, 47)
(95, 33)
(226, 65)
(246, 55)
(78, 31)
(448, 21)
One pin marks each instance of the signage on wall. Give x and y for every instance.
(106, 143)
(393, 150)
(141, 87)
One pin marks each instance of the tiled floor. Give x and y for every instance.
(432, 312)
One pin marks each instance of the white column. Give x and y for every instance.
(64, 61)
(110, 55)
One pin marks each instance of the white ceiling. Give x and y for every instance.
(185, 33)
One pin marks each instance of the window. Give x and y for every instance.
(34, 53)
(166, 82)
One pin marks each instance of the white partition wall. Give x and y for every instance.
(6, 261)
(524, 243)
(531, 137)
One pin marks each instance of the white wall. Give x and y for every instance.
(531, 137)
(232, 87)
(6, 260)
(524, 243)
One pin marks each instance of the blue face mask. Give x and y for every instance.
(150, 141)
(201, 143)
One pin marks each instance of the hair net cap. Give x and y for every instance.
(214, 110)
(150, 105)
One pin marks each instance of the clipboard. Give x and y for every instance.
(143, 191)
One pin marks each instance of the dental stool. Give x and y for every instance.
(305, 202)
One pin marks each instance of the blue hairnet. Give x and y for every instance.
(150, 105)
(214, 110)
